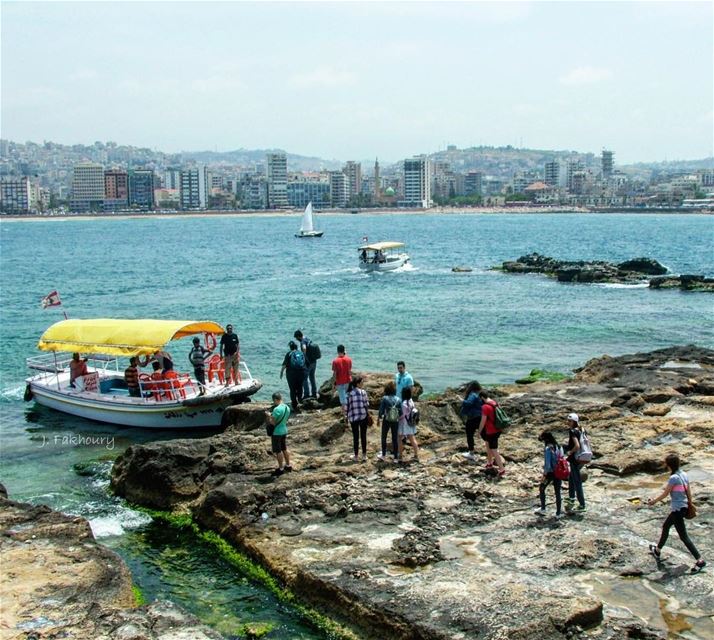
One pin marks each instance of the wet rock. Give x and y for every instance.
(684, 282)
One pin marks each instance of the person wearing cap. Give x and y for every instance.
(230, 351)
(197, 357)
(575, 483)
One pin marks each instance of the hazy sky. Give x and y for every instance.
(363, 79)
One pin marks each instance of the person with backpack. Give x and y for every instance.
(407, 424)
(680, 495)
(277, 420)
(389, 410)
(575, 483)
(471, 413)
(552, 454)
(311, 351)
(357, 415)
(294, 369)
(489, 433)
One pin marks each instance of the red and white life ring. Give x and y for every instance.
(210, 340)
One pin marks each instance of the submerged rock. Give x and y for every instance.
(439, 548)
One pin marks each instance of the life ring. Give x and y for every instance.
(210, 341)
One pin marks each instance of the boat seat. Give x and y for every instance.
(215, 366)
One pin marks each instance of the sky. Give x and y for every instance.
(358, 80)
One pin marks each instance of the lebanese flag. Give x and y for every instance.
(52, 299)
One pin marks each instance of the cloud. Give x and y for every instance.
(585, 75)
(323, 77)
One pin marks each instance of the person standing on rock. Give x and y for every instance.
(406, 429)
(471, 411)
(681, 497)
(575, 483)
(342, 374)
(389, 410)
(403, 379)
(551, 453)
(490, 434)
(294, 369)
(278, 417)
(357, 410)
(309, 389)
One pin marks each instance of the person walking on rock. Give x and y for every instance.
(471, 411)
(389, 410)
(342, 374)
(294, 369)
(357, 409)
(278, 418)
(550, 454)
(680, 496)
(312, 353)
(575, 483)
(407, 430)
(490, 434)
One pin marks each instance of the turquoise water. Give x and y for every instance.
(251, 271)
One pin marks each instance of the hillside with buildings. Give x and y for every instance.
(107, 177)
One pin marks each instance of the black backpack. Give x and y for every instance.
(312, 351)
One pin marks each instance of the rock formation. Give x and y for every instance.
(59, 583)
(439, 548)
(635, 271)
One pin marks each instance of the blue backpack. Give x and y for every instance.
(297, 359)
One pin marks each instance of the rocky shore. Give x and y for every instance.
(58, 582)
(438, 549)
(635, 271)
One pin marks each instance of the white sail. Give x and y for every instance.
(306, 225)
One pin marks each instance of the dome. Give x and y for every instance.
(389, 191)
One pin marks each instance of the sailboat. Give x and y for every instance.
(307, 229)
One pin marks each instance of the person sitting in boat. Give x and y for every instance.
(131, 376)
(166, 362)
(157, 384)
(77, 369)
(379, 256)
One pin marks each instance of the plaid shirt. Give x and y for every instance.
(357, 405)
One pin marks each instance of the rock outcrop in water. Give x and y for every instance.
(440, 549)
(635, 271)
(59, 583)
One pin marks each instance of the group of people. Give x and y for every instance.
(478, 411)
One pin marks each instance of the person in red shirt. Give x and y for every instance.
(342, 374)
(489, 433)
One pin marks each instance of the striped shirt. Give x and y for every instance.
(357, 405)
(678, 481)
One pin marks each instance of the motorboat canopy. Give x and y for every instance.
(381, 246)
(120, 337)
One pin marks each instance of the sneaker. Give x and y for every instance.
(581, 508)
(655, 551)
(380, 456)
(700, 564)
(355, 459)
(364, 458)
(540, 512)
(278, 472)
(288, 468)
(469, 456)
(559, 516)
(569, 501)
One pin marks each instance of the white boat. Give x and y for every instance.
(382, 256)
(102, 394)
(307, 228)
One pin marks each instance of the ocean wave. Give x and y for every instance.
(12, 393)
(115, 524)
(620, 285)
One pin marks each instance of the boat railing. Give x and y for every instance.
(57, 362)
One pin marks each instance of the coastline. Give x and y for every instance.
(260, 213)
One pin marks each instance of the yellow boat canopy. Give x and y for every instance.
(120, 337)
(381, 246)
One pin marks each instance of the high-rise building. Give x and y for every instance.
(87, 187)
(339, 189)
(607, 163)
(300, 192)
(552, 173)
(277, 177)
(353, 171)
(116, 190)
(417, 183)
(15, 195)
(472, 183)
(141, 189)
(193, 188)
(573, 167)
(172, 178)
(377, 181)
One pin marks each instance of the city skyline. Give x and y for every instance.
(358, 80)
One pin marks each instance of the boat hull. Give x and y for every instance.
(309, 234)
(390, 265)
(184, 414)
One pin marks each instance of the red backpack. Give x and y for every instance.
(562, 468)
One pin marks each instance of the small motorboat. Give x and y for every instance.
(167, 401)
(307, 228)
(382, 256)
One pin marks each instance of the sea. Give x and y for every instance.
(252, 272)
